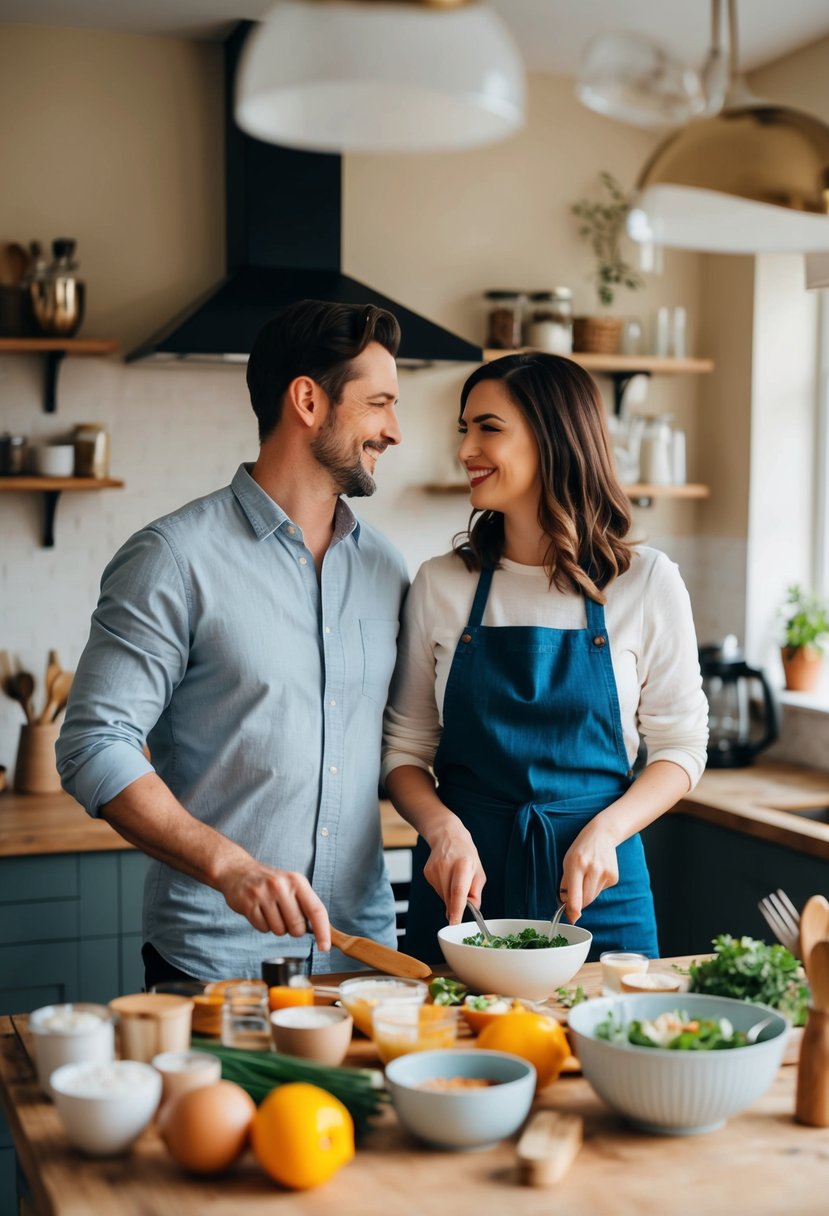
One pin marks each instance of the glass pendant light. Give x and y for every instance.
(380, 76)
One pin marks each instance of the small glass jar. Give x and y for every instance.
(12, 455)
(287, 982)
(91, 450)
(550, 321)
(505, 311)
(656, 451)
(246, 1017)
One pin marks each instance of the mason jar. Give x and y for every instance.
(504, 317)
(550, 321)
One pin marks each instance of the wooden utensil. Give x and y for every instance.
(814, 926)
(21, 687)
(812, 1101)
(548, 1147)
(58, 696)
(382, 958)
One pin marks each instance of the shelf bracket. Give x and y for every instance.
(621, 380)
(50, 506)
(50, 380)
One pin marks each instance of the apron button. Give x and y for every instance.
(466, 637)
(630, 774)
(599, 640)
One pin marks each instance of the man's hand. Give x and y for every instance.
(454, 868)
(275, 901)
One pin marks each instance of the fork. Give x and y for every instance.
(783, 918)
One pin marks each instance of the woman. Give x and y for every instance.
(533, 660)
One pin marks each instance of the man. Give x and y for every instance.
(249, 638)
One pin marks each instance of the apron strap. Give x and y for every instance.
(481, 595)
(595, 615)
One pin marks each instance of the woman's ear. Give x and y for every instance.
(306, 400)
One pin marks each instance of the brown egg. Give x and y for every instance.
(206, 1129)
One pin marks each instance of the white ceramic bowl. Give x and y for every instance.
(105, 1107)
(461, 1118)
(68, 1034)
(534, 974)
(54, 459)
(677, 1092)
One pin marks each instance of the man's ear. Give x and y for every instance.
(307, 401)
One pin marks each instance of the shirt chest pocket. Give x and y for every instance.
(379, 640)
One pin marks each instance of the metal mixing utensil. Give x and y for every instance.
(479, 921)
(554, 922)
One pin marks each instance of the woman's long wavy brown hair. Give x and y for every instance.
(582, 508)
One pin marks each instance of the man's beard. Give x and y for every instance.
(345, 467)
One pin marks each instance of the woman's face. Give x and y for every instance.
(499, 451)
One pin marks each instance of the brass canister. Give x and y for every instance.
(91, 450)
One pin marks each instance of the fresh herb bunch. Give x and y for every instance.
(602, 224)
(806, 620)
(749, 970)
(569, 997)
(527, 939)
(258, 1072)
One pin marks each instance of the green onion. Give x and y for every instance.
(359, 1089)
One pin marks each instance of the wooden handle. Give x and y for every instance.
(812, 1101)
(548, 1147)
(380, 957)
(814, 927)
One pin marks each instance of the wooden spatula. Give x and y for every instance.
(812, 1099)
(548, 1146)
(382, 958)
(814, 926)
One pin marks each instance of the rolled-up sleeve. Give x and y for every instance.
(411, 727)
(673, 710)
(136, 655)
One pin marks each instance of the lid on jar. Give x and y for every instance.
(501, 294)
(557, 293)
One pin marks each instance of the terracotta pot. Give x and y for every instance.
(597, 335)
(802, 667)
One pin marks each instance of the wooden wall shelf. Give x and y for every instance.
(54, 350)
(51, 488)
(641, 495)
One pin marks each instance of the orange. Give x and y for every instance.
(301, 1135)
(533, 1036)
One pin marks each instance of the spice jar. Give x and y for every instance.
(504, 316)
(91, 450)
(12, 455)
(550, 321)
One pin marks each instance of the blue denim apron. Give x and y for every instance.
(532, 749)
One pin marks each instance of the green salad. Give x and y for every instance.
(749, 970)
(674, 1031)
(527, 939)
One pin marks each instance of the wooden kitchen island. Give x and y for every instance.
(761, 1163)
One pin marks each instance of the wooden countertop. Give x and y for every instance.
(750, 800)
(761, 1161)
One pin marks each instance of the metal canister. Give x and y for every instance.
(12, 455)
(91, 450)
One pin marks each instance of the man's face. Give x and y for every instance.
(362, 425)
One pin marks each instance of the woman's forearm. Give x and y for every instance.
(657, 788)
(413, 792)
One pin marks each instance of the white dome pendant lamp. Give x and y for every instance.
(380, 76)
(752, 179)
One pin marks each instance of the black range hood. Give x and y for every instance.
(284, 212)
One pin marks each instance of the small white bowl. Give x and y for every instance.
(313, 1032)
(461, 1118)
(104, 1108)
(185, 1070)
(677, 1093)
(534, 974)
(54, 459)
(69, 1034)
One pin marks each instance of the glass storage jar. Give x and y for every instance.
(550, 321)
(504, 319)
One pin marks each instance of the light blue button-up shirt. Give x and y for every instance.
(260, 691)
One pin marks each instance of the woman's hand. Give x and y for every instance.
(590, 866)
(454, 868)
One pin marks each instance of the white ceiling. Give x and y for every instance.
(550, 33)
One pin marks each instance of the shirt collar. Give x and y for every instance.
(265, 516)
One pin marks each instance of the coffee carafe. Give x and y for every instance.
(738, 729)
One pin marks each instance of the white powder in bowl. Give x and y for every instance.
(302, 1016)
(65, 1019)
(104, 1080)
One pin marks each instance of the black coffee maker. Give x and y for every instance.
(738, 727)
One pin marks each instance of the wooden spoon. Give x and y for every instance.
(21, 687)
(380, 957)
(814, 926)
(819, 976)
(58, 696)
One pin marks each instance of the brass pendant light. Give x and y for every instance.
(752, 178)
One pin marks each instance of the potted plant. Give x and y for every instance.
(805, 632)
(602, 225)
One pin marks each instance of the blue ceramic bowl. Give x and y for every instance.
(461, 1118)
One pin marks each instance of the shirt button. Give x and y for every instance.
(303, 561)
(332, 768)
(323, 831)
(599, 640)
(292, 530)
(332, 702)
(466, 637)
(327, 628)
